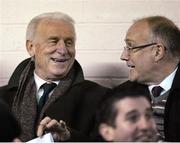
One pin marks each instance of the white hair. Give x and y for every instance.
(31, 29)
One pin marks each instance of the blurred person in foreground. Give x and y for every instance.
(48, 92)
(10, 129)
(126, 116)
(152, 55)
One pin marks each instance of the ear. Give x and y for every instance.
(159, 52)
(30, 48)
(106, 131)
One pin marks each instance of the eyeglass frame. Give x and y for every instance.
(129, 48)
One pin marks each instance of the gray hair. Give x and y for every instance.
(31, 29)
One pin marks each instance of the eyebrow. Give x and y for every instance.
(135, 111)
(131, 112)
(56, 38)
(128, 40)
(53, 38)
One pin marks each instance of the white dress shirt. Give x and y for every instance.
(39, 82)
(166, 83)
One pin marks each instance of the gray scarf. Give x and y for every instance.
(25, 102)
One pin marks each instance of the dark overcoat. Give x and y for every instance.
(77, 107)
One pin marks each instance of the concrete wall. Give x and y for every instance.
(100, 24)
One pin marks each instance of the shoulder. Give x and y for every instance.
(14, 79)
(131, 85)
(91, 86)
(88, 90)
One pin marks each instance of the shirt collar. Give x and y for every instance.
(39, 81)
(166, 83)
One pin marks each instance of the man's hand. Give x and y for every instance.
(58, 130)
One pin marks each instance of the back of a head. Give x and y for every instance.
(9, 128)
(31, 29)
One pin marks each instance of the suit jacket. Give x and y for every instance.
(172, 107)
(77, 107)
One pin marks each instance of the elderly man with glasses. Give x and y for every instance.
(152, 54)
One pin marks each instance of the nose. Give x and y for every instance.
(145, 124)
(124, 56)
(61, 47)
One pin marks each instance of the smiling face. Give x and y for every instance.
(53, 49)
(134, 121)
(140, 61)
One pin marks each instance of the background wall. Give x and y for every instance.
(101, 26)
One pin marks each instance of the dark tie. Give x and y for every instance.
(47, 87)
(156, 91)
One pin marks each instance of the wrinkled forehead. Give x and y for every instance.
(55, 28)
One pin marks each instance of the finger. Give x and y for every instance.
(16, 140)
(45, 121)
(52, 123)
(62, 124)
(52, 126)
(58, 130)
(40, 130)
(42, 126)
(55, 126)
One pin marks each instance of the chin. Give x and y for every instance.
(131, 79)
(58, 74)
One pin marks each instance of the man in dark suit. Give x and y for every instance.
(152, 54)
(48, 92)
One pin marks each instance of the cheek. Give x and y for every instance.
(133, 74)
(41, 59)
(145, 60)
(153, 124)
(124, 134)
(143, 66)
(72, 52)
(39, 52)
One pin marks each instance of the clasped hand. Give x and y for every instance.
(58, 130)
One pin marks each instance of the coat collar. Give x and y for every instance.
(176, 81)
(15, 77)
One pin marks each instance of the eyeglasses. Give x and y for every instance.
(129, 49)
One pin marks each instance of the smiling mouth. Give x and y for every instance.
(131, 66)
(144, 138)
(59, 60)
(150, 136)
